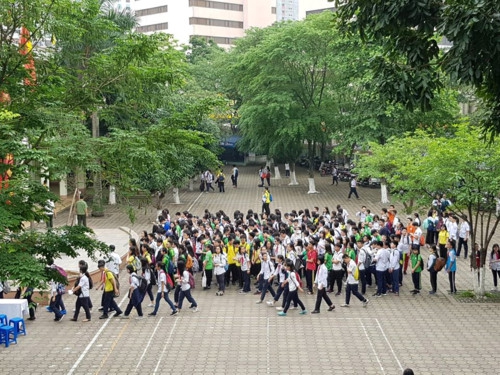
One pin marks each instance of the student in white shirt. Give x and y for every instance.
(322, 283)
(381, 266)
(463, 236)
(220, 262)
(84, 297)
(183, 279)
(266, 271)
(293, 285)
(352, 283)
(338, 271)
(163, 289)
(134, 294)
(280, 274)
(394, 267)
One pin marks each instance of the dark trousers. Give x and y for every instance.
(337, 278)
(352, 191)
(495, 273)
(286, 291)
(362, 279)
(233, 272)
(221, 280)
(177, 291)
(189, 297)
(451, 278)
(265, 287)
(293, 296)
(322, 295)
(266, 209)
(369, 272)
(279, 292)
(82, 220)
(149, 292)
(330, 280)
(462, 241)
(55, 305)
(208, 274)
(50, 221)
(109, 303)
(415, 277)
(82, 302)
(395, 280)
(135, 301)
(353, 288)
(221, 187)
(167, 299)
(381, 285)
(442, 252)
(433, 277)
(309, 280)
(246, 281)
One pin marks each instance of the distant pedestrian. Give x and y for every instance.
(82, 211)
(287, 170)
(335, 176)
(451, 265)
(220, 181)
(353, 189)
(266, 201)
(234, 176)
(50, 212)
(262, 176)
(268, 176)
(431, 262)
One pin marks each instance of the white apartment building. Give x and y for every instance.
(222, 21)
(288, 10)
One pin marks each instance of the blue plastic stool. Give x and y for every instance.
(18, 325)
(5, 335)
(3, 319)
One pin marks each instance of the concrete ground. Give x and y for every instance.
(231, 334)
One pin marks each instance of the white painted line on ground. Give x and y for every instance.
(196, 200)
(390, 346)
(165, 347)
(148, 344)
(91, 343)
(373, 348)
(268, 348)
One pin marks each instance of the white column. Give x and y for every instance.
(112, 194)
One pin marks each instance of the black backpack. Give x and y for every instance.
(143, 284)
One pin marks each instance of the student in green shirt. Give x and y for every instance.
(208, 265)
(328, 264)
(417, 265)
(350, 251)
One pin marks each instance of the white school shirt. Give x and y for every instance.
(394, 259)
(162, 278)
(84, 285)
(185, 281)
(322, 277)
(292, 282)
(266, 269)
(351, 266)
(219, 263)
(464, 228)
(337, 255)
(382, 258)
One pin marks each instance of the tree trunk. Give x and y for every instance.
(191, 184)
(293, 177)
(277, 175)
(312, 187)
(97, 201)
(176, 196)
(383, 191)
(112, 194)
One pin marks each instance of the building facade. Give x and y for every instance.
(307, 7)
(288, 10)
(222, 21)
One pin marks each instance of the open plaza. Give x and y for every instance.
(232, 334)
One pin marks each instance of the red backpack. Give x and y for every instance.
(299, 280)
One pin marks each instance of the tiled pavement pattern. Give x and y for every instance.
(233, 335)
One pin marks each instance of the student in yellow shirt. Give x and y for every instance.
(443, 236)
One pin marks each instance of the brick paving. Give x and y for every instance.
(231, 334)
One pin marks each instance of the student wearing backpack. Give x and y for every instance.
(266, 272)
(352, 283)
(110, 291)
(185, 292)
(134, 294)
(266, 201)
(220, 263)
(322, 283)
(417, 265)
(293, 284)
(220, 181)
(364, 257)
(165, 284)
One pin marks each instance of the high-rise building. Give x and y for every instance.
(287, 10)
(222, 21)
(307, 7)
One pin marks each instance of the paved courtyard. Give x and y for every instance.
(232, 335)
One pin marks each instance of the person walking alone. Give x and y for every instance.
(353, 189)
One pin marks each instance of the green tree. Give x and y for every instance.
(418, 166)
(409, 71)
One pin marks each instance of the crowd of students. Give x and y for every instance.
(272, 255)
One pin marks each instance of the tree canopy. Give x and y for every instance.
(410, 68)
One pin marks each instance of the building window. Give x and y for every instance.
(273, 10)
(216, 5)
(149, 11)
(214, 22)
(216, 39)
(152, 28)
